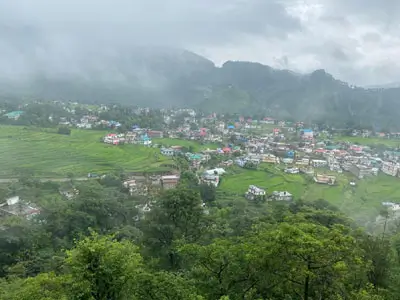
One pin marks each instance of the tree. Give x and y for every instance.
(219, 269)
(207, 192)
(101, 208)
(194, 126)
(181, 163)
(377, 251)
(250, 165)
(103, 268)
(45, 286)
(19, 244)
(64, 130)
(165, 286)
(177, 215)
(189, 179)
(317, 260)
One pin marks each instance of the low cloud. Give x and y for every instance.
(355, 40)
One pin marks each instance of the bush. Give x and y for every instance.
(64, 130)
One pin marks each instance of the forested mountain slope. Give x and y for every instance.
(172, 77)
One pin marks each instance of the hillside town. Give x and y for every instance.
(319, 152)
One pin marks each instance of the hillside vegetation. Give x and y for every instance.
(172, 77)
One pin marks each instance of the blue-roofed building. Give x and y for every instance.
(114, 124)
(307, 134)
(194, 156)
(231, 127)
(144, 140)
(290, 154)
(14, 114)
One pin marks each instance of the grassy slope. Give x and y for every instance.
(51, 154)
(362, 202)
(369, 141)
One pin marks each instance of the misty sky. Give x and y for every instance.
(356, 40)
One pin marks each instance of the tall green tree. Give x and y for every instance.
(177, 215)
(103, 268)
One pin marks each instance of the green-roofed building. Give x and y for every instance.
(333, 147)
(14, 114)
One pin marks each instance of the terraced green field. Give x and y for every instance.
(362, 202)
(45, 153)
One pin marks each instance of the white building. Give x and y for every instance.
(390, 168)
(210, 179)
(167, 151)
(318, 163)
(292, 170)
(216, 171)
(282, 196)
(254, 192)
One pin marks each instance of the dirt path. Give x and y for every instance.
(12, 180)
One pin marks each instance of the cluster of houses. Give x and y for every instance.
(257, 193)
(139, 185)
(136, 136)
(304, 156)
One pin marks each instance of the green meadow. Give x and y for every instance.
(373, 141)
(45, 153)
(362, 202)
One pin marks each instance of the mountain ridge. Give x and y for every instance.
(160, 77)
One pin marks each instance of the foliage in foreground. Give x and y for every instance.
(99, 246)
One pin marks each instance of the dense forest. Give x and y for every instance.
(192, 244)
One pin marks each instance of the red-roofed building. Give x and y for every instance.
(155, 134)
(356, 149)
(320, 151)
(203, 131)
(268, 121)
(227, 150)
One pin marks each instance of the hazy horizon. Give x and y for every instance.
(70, 37)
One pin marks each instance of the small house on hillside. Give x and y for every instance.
(319, 163)
(216, 171)
(167, 151)
(144, 140)
(210, 179)
(131, 185)
(282, 196)
(270, 158)
(307, 134)
(169, 181)
(14, 206)
(292, 170)
(325, 179)
(390, 168)
(255, 192)
(361, 171)
(155, 134)
(194, 156)
(114, 139)
(14, 115)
